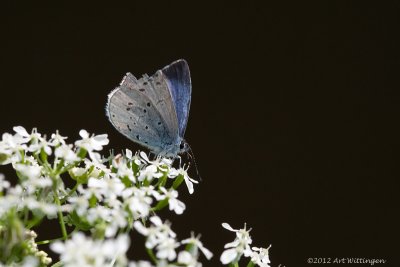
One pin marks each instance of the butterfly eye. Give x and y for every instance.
(182, 145)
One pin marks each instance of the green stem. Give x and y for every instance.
(70, 192)
(35, 221)
(60, 216)
(151, 255)
(43, 242)
(26, 215)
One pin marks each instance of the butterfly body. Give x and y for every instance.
(153, 110)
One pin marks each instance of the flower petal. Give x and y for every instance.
(228, 227)
(228, 256)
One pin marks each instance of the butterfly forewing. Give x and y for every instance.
(177, 76)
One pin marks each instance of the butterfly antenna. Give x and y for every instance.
(190, 153)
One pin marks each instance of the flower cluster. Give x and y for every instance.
(241, 247)
(81, 250)
(160, 237)
(102, 199)
(108, 195)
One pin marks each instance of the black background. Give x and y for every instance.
(294, 119)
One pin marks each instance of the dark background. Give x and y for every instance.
(294, 119)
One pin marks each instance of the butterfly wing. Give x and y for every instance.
(177, 76)
(143, 111)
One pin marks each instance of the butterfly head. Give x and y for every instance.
(173, 150)
(183, 147)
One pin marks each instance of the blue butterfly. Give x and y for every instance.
(153, 111)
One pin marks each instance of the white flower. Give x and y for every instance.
(260, 256)
(83, 251)
(188, 181)
(161, 163)
(108, 187)
(174, 203)
(57, 139)
(188, 259)
(90, 144)
(28, 171)
(138, 201)
(3, 183)
(98, 212)
(80, 204)
(195, 241)
(30, 261)
(123, 170)
(37, 143)
(149, 173)
(66, 153)
(166, 249)
(156, 233)
(19, 198)
(118, 218)
(32, 185)
(97, 168)
(159, 236)
(11, 148)
(11, 200)
(21, 135)
(77, 171)
(240, 245)
(134, 158)
(140, 264)
(229, 256)
(33, 204)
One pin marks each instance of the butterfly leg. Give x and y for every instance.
(152, 155)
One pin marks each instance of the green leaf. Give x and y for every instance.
(3, 158)
(161, 204)
(82, 153)
(43, 155)
(74, 219)
(92, 201)
(163, 180)
(135, 168)
(126, 181)
(178, 181)
(57, 264)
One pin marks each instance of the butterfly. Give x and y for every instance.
(153, 111)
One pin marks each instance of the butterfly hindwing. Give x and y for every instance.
(156, 89)
(134, 110)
